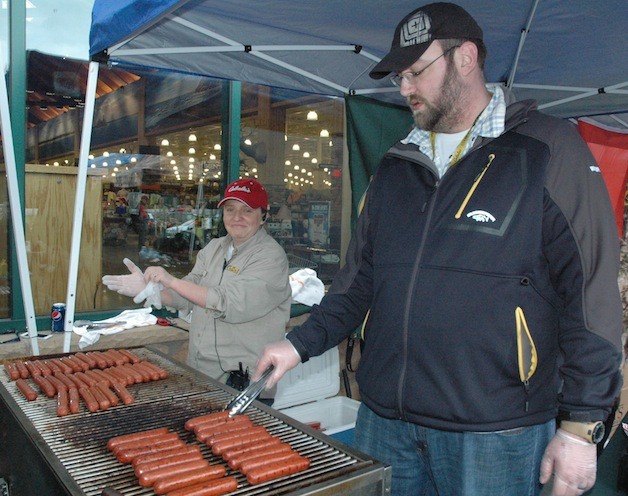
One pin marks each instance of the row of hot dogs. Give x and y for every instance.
(170, 466)
(98, 378)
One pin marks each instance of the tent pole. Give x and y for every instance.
(79, 202)
(16, 214)
(522, 40)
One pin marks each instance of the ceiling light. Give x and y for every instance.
(191, 151)
(192, 137)
(217, 146)
(165, 142)
(312, 116)
(212, 156)
(248, 142)
(306, 154)
(314, 161)
(105, 154)
(287, 162)
(324, 133)
(296, 147)
(133, 159)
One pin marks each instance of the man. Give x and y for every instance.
(486, 257)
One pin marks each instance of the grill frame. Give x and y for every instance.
(67, 455)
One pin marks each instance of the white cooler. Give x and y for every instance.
(308, 392)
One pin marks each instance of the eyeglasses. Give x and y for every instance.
(412, 77)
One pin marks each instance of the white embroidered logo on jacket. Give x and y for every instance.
(481, 216)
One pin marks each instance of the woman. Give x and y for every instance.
(238, 291)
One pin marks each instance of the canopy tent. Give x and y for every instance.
(569, 56)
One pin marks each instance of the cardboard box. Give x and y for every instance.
(308, 392)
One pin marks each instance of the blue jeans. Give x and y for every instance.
(431, 462)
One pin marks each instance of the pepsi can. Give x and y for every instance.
(58, 317)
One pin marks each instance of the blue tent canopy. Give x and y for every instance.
(569, 56)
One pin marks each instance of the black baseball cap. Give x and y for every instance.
(417, 30)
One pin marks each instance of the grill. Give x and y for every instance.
(49, 455)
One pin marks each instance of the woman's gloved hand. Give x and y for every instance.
(573, 462)
(128, 285)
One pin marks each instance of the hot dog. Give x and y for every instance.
(33, 369)
(87, 359)
(87, 379)
(100, 362)
(227, 436)
(103, 376)
(128, 455)
(66, 381)
(126, 397)
(63, 403)
(146, 441)
(104, 356)
(149, 478)
(29, 393)
(228, 455)
(134, 436)
(67, 360)
(121, 359)
(204, 432)
(12, 371)
(132, 375)
(236, 461)
(163, 455)
(74, 400)
(109, 394)
(147, 374)
(88, 398)
(216, 487)
(45, 386)
(21, 368)
(162, 373)
(119, 375)
(58, 385)
(95, 378)
(133, 358)
(81, 366)
(219, 448)
(226, 423)
(190, 478)
(191, 423)
(142, 468)
(103, 402)
(63, 367)
(264, 460)
(77, 381)
(277, 469)
(45, 369)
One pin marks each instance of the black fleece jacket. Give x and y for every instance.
(492, 291)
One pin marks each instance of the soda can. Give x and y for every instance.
(58, 317)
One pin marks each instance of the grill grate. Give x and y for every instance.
(79, 441)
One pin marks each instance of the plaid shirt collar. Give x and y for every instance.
(490, 124)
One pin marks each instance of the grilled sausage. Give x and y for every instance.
(226, 423)
(126, 397)
(90, 361)
(63, 367)
(74, 400)
(193, 422)
(216, 487)
(88, 398)
(168, 461)
(133, 358)
(100, 362)
(147, 373)
(162, 373)
(110, 362)
(68, 383)
(45, 368)
(266, 452)
(95, 378)
(63, 403)
(45, 386)
(128, 455)
(162, 455)
(191, 477)
(12, 371)
(21, 368)
(67, 360)
(226, 436)
(103, 402)
(278, 469)
(151, 477)
(77, 381)
(109, 394)
(102, 376)
(146, 441)
(58, 385)
(206, 434)
(219, 448)
(29, 393)
(33, 369)
(132, 376)
(228, 455)
(114, 442)
(81, 364)
(260, 461)
(87, 379)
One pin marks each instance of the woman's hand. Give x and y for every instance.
(159, 275)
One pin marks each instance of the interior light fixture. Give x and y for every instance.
(133, 159)
(217, 147)
(306, 154)
(212, 156)
(191, 151)
(312, 116)
(165, 142)
(105, 154)
(324, 133)
(296, 147)
(169, 153)
(248, 142)
(287, 162)
(192, 137)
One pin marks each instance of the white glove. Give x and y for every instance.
(128, 285)
(573, 462)
(152, 294)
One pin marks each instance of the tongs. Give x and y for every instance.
(242, 401)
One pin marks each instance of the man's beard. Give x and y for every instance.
(443, 115)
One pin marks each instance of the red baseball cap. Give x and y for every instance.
(248, 191)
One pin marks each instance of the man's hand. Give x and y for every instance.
(282, 355)
(128, 285)
(573, 461)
